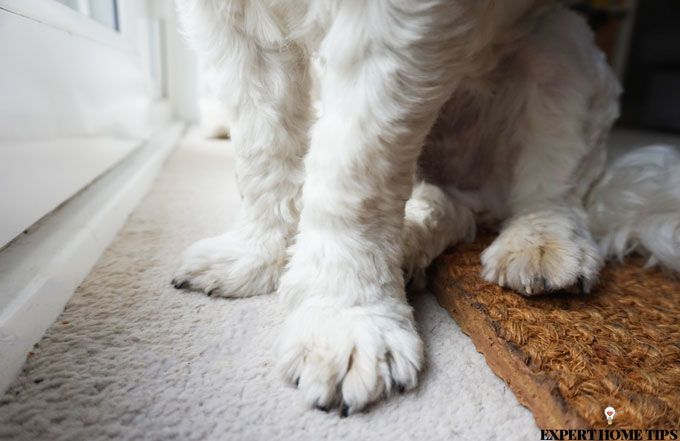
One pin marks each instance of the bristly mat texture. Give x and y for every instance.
(569, 356)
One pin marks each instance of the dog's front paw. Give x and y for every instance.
(542, 252)
(349, 357)
(229, 266)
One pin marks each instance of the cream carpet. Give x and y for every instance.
(131, 358)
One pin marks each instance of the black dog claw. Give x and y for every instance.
(582, 285)
(180, 285)
(322, 408)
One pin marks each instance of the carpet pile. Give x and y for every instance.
(131, 358)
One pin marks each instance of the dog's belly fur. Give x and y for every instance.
(473, 149)
(470, 163)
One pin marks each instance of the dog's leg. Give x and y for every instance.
(433, 221)
(266, 82)
(570, 105)
(350, 338)
(546, 244)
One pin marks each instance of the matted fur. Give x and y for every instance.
(522, 102)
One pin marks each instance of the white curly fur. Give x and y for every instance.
(499, 109)
(636, 207)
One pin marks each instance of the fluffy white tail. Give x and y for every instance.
(636, 207)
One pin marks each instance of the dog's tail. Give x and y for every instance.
(635, 207)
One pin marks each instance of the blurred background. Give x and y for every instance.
(642, 42)
(84, 85)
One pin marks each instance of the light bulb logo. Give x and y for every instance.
(609, 412)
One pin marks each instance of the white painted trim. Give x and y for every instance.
(37, 176)
(70, 106)
(58, 84)
(183, 73)
(62, 17)
(40, 270)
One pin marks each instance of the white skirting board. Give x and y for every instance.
(40, 270)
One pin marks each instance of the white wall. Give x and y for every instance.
(77, 97)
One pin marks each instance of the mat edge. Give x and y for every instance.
(548, 407)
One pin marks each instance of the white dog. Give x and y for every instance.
(435, 115)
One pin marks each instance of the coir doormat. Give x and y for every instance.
(568, 357)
